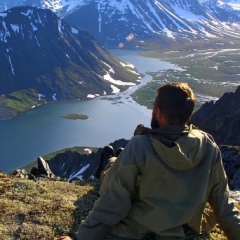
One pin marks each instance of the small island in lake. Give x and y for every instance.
(75, 116)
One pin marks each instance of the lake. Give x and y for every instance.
(43, 130)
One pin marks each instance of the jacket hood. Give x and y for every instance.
(180, 147)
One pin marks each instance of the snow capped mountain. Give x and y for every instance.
(54, 5)
(65, 6)
(54, 60)
(114, 21)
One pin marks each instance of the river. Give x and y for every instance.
(43, 130)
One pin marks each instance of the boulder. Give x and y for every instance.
(231, 163)
(20, 173)
(42, 169)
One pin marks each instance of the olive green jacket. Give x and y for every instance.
(161, 181)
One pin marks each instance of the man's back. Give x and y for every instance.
(172, 182)
(163, 178)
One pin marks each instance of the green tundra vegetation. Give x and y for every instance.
(45, 209)
(21, 101)
(75, 116)
(210, 72)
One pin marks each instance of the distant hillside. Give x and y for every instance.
(43, 58)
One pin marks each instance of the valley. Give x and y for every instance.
(43, 130)
(209, 72)
(70, 62)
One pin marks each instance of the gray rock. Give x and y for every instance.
(231, 163)
(221, 119)
(235, 196)
(20, 173)
(42, 169)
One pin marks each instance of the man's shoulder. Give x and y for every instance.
(140, 139)
(204, 135)
(140, 144)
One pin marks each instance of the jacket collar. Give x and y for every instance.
(164, 131)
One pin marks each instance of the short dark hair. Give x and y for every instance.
(176, 100)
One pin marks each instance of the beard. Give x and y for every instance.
(154, 122)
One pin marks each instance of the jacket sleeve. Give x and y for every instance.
(227, 215)
(115, 197)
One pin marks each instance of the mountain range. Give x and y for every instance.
(43, 58)
(49, 52)
(119, 22)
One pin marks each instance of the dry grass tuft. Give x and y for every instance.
(42, 209)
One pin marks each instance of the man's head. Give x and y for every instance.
(174, 104)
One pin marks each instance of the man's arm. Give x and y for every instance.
(115, 196)
(227, 215)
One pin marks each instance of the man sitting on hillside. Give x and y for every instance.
(163, 179)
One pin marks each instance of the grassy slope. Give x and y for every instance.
(47, 209)
(21, 101)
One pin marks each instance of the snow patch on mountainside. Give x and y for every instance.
(187, 14)
(78, 173)
(234, 4)
(57, 5)
(108, 77)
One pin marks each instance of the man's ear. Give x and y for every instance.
(161, 117)
(158, 114)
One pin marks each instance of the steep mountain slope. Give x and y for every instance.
(119, 21)
(51, 59)
(122, 21)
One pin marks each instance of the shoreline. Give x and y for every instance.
(158, 55)
(49, 117)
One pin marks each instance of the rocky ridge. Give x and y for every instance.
(72, 165)
(221, 119)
